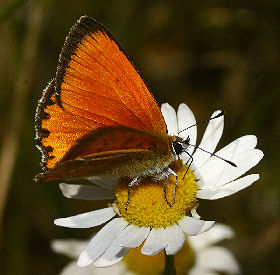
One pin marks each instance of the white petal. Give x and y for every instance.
(86, 192)
(133, 236)
(170, 118)
(185, 119)
(113, 255)
(215, 234)
(192, 226)
(101, 241)
(228, 188)
(218, 172)
(175, 239)
(155, 242)
(86, 220)
(105, 182)
(219, 259)
(69, 247)
(195, 214)
(238, 146)
(209, 141)
(229, 152)
(115, 252)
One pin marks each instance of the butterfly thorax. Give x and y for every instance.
(163, 156)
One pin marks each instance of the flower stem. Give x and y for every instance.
(169, 265)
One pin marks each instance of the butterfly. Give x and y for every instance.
(97, 118)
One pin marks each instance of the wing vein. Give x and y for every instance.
(101, 83)
(116, 65)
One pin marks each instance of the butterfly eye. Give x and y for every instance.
(177, 147)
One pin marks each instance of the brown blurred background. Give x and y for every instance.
(210, 55)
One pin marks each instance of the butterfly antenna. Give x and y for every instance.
(212, 154)
(204, 121)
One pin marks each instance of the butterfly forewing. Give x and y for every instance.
(96, 86)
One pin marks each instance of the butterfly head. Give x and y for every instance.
(180, 145)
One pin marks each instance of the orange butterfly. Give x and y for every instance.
(97, 116)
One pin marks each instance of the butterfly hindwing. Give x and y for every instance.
(115, 139)
(100, 165)
(110, 150)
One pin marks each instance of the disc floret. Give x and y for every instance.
(148, 207)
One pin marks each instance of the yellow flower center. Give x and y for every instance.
(148, 207)
(141, 264)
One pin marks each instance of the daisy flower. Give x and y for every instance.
(149, 218)
(198, 256)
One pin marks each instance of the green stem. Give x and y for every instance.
(169, 265)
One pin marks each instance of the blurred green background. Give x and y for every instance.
(210, 55)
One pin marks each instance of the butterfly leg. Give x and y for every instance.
(164, 190)
(133, 182)
(189, 160)
(170, 171)
(166, 175)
